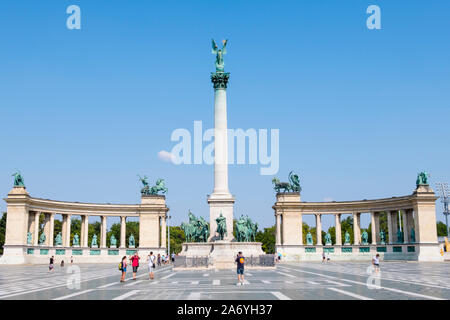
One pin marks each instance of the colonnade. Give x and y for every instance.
(406, 226)
(49, 227)
(410, 233)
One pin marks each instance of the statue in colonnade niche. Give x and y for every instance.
(113, 242)
(346, 238)
(58, 239)
(382, 237)
(131, 242)
(42, 239)
(29, 238)
(413, 235)
(76, 240)
(365, 237)
(309, 239)
(328, 239)
(399, 236)
(94, 241)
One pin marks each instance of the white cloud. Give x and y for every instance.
(166, 156)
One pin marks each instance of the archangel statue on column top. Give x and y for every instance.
(220, 64)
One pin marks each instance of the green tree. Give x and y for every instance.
(267, 238)
(75, 228)
(177, 238)
(2, 231)
(441, 229)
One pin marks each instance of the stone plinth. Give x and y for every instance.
(222, 253)
(221, 204)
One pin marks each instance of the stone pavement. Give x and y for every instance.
(290, 281)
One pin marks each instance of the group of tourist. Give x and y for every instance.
(51, 266)
(152, 262)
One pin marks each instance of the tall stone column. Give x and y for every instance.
(375, 226)
(356, 228)
(103, 232)
(163, 232)
(405, 226)
(84, 230)
(68, 230)
(52, 229)
(394, 221)
(123, 227)
(318, 229)
(337, 218)
(220, 201)
(278, 229)
(389, 224)
(63, 229)
(36, 228)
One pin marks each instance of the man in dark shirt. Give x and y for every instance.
(240, 260)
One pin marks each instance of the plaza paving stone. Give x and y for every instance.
(290, 281)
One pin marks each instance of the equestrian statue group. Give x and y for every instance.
(152, 191)
(196, 230)
(292, 186)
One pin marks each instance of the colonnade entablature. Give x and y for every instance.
(411, 227)
(24, 241)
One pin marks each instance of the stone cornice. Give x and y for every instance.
(78, 208)
(334, 207)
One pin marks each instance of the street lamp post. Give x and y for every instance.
(168, 236)
(445, 199)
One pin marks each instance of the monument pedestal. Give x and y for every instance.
(221, 253)
(221, 204)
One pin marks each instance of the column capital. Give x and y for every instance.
(220, 79)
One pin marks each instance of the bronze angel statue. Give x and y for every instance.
(220, 64)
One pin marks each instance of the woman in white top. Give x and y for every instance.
(151, 265)
(376, 263)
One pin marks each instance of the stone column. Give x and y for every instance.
(52, 229)
(63, 229)
(278, 229)
(68, 227)
(103, 233)
(36, 228)
(84, 230)
(356, 228)
(389, 224)
(163, 232)
(337, 218)
(375, 219)
(123, 227)
(318, 229)
(394, 220)
(405, 226)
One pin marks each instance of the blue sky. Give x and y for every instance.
(360, 111)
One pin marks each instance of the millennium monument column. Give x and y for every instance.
(220, 201)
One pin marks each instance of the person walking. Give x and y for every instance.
(159, 260)
(376, 263)
(51, 264)
(151, 265)
(135, 264)
(71, 259)
(323, 257)
(62, 263)
(173, 257)
(240, 260)
(123, 268)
